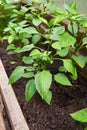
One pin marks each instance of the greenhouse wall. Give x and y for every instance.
(81, 4)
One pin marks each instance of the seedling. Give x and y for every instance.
(38, 38)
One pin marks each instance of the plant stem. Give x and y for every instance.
(57, 59)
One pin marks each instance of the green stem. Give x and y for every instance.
(39, 48)
(57, 59)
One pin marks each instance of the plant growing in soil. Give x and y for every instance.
(81, 116)
(38, 37)
(5, 14)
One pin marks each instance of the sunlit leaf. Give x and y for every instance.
(80, 115)
(62, 79)
(43, 82)
(66, 40)
(70, 67)
(26, 48)
(16, 74)
(30, 89)
(80, 60)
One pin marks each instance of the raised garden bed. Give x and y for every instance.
(38, 114)
(46, 55)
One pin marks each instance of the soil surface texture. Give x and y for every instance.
(55, 116)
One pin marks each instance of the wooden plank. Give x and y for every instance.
(10, 101)
(2, 123)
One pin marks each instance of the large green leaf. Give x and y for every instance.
(10, 46)
(54, 36)
(30, 30)
(30, 89)
(10, 39)
(43, 82)
(62, 79)
(70, 67)
(80, 60)
(66, 40)
(35, 52)
(80, 115)
(35, 39)
(26, 48)
(58, 30)
(56, 45)
(16, 74)
(36, 21)
(63, 52)
(27, 60)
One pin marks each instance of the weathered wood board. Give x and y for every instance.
(15, 114)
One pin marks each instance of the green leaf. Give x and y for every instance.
(43, 82)
(62, 79)
(38, 1)
(30, 68)
(16, 74)
(69, 66)
(70, 29)
(80, 115)
(85, 24)
(30, 89)
(66, 40)
(10, 39)
(84, 40)
(63, 52)
(35, 52)
(52, 6)
(54, 36)
(28, 75)
(35, 39)
(59, 19)
(62, 69)
(10, 47)
(80, 60)
(25, 41)
(85, 128)
(56, 45)
(26, 48)
(27, 60)
(73, 29)
(48, 97)
(51, 22)
(24, 9)
(58, 30)
(4, 1)
(30, 30)
(71, 8)
(43, 20)
(36, 22)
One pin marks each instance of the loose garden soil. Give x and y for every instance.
(55, 116)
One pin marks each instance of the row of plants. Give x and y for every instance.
(37, 35)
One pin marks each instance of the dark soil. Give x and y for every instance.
(55, 116)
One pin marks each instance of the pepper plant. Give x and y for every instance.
(81, 116)
(37, 36)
